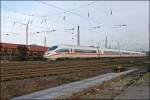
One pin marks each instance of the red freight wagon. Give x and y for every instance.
(18, 51)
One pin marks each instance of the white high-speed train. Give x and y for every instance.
(72, 51)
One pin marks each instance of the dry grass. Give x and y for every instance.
(85, 69)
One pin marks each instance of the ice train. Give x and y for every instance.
(72, 51)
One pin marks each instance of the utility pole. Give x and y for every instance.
(27, 32)
(78, 41)
(106, 42)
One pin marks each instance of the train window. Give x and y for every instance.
(92, 51)
(125, 53)
(85, 51)
(52, 48)
(112, 52)
(62, 50)
(135, 53)
(79, 50)
(108, 52)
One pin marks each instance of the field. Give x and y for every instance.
(19, 78)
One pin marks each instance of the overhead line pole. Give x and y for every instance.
(98, 50)
(27, 25)
(45, 41)
(106, 42)
(119, 48)
(78, 33)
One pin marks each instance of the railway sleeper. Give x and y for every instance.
(35, 75)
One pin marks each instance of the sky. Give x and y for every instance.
(126, 22)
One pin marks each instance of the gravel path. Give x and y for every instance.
(74, 87)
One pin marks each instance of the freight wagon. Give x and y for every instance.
(11, 51)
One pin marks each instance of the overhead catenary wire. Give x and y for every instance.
(45, 19)
(48, 29)
(31, 15)
(82, 6)
(74, 13)
(94, 27)
(42, 18)
(63, 10)
(79, 7)
(9, 19)
(19, 22)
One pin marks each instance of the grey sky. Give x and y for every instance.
(135, 14)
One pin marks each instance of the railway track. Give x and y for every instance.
(23, 70)
(23, 73)
(43, 66)
(28, 66)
